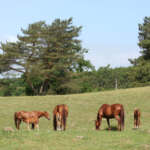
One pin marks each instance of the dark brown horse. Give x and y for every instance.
(137, 115)
(109, 112)
(29, 118)
(60, 114)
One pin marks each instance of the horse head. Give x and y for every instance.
(46, 115)
(97, 124)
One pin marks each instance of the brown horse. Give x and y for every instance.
(29, 118)
(137, 115)
(109, 112)
(60, 114)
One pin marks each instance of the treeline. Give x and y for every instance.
(50, 60)
(105, 78)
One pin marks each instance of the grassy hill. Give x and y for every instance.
(80, 133)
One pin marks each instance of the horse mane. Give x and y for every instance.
(40, 113)
(98, 116)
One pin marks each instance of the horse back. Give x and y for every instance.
(109, 111)
(60, 109)
(105, 111)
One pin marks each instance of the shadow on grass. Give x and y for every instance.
(135, 129)
(112, 128)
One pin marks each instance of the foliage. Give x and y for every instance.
(144, 42)
(139, 74)
(51, 60)
(45, 55)
(12, 87)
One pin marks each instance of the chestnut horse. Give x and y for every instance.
(109, 112)
(137, 115)
(29, 118)
(60, 114)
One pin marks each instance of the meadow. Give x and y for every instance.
(80, 133)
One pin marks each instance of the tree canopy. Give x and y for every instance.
(144, 42)
(45, 55)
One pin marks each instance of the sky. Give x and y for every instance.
(110, 27)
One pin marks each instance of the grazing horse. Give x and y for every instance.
(60, 114)
(137, 115)
(109, 112)
(29, 118)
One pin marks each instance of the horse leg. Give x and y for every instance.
(119, 122)
(18, 124)
(28, 127)
(37, 126)
(138, 122)
(65, 125)
(61, 125)
(134, 123)
(108, 123)
(33, 126)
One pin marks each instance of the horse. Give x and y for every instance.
(109, 112)
(31, 117)
(60, 114)
(137, 115)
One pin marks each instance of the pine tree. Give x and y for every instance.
(46, 55)
(144, 38)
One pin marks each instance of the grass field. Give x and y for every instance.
(80, 133)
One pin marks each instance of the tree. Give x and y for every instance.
(144, 38)
(46, 55)
(144, 42)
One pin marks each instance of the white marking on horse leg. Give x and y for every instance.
(37, 126)
(28, 127)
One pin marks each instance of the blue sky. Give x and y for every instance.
(110, 27)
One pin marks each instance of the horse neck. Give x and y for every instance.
(98, 116)
(40, 114)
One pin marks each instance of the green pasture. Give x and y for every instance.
(80, 133)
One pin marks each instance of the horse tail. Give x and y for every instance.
(33, 126)
(16, 120)
(54, 122)
(122, 116)
(64, 118)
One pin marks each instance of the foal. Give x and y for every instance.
(137, 115)
(29, 118)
